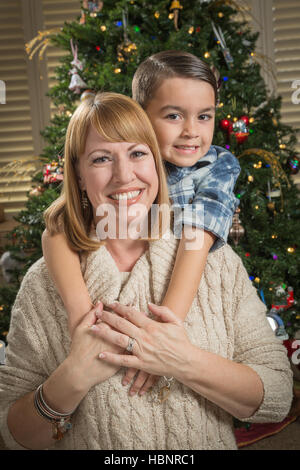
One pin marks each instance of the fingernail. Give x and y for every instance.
(101, 355)
(94, 327)
(143, 392)
(131, 393)
(125, 382)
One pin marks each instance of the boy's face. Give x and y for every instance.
(182, 113)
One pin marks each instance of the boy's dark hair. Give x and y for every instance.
(168, 64)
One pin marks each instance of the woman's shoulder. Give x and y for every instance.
(225, 255)
(37, 277)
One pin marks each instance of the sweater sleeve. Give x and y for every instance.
(26, 353)
(256, 346)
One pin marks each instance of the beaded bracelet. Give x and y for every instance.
(60, 421)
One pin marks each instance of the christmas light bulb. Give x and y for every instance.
(207, 55)
(156, 14)
(103, 27)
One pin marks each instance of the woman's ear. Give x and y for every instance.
(81, 184)
(79, 178)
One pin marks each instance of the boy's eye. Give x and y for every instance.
(204, 117)
(173, 116)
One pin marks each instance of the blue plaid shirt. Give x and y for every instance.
(205, 192)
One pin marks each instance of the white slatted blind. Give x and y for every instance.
(286, 21)
(55, 13)
(16, 127)
(16, 141)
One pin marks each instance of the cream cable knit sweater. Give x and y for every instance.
(226, 318)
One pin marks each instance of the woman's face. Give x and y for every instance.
(117, 174)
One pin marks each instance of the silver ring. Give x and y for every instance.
(130, 344)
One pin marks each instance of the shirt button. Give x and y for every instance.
(190, 200)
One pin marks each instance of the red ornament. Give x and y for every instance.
(224, 124)
(289, 302)
(245, 119)
(247, 254)
(241, 137)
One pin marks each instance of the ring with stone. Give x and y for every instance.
(130, 344)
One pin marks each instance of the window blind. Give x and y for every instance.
(16, 141)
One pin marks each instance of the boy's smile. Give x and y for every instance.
(182, 113)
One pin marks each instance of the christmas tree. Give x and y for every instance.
(105, 46)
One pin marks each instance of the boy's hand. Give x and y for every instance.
(142, 383)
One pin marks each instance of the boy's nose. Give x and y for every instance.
(190, 129)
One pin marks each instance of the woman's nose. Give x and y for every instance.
(123, 171)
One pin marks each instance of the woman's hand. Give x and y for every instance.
(86, 347)
(160, 348)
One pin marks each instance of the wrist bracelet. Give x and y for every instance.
(60, 421)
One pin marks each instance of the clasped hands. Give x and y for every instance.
(158, 349)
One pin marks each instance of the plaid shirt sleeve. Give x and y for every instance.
(213, 203)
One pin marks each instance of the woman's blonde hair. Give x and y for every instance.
(117, 118)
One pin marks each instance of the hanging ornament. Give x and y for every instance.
(53, 172)
(76, 81)
(293, 163)
(285, 304)
(36, 191)
(87, 94)
(238, 128)
(93, 7)
(237, 231)
(174, 8)
(273, 192)
(226, 53)
(127, 48)
(241, 130)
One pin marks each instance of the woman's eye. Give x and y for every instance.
(204, 117)
(100, 159)
(173, 117)
(138, 154)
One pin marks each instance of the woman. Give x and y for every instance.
(224, 361)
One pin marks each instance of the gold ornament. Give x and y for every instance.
(237, 231)
(174, 8)
(126, 50)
